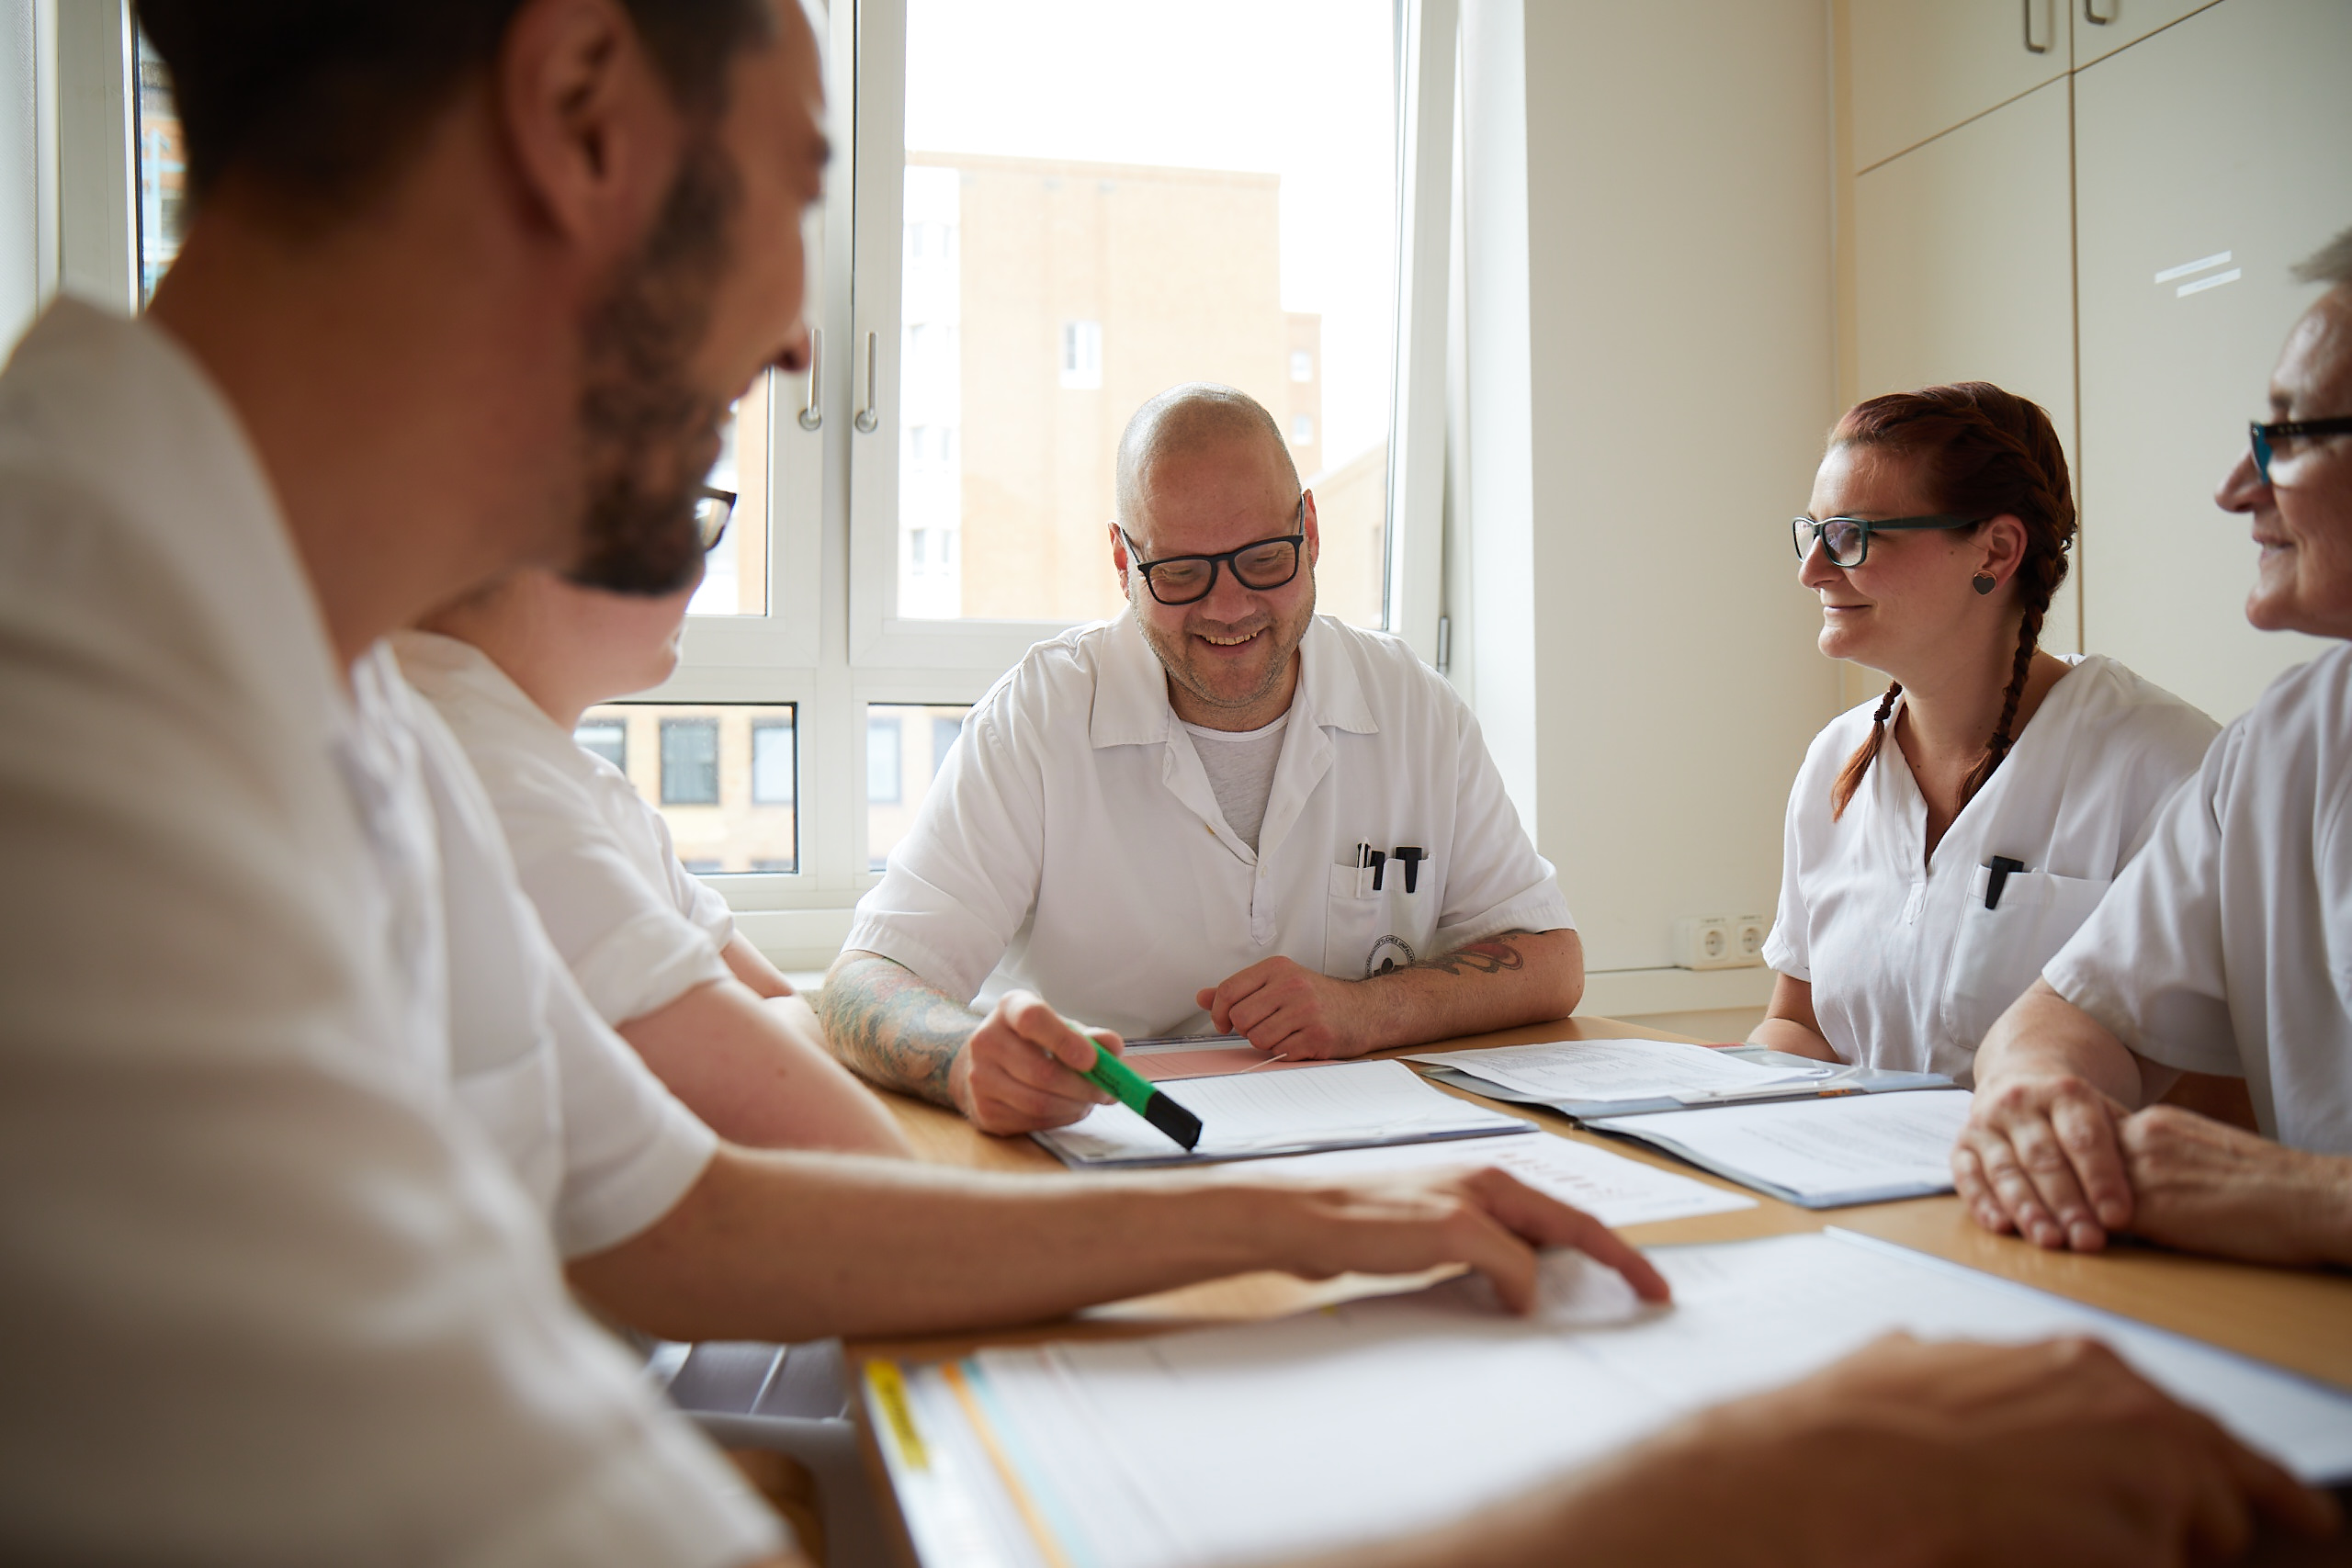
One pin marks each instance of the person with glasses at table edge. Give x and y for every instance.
(2227, 947)
(1219, 812)
(510, 668)
(1944, 839)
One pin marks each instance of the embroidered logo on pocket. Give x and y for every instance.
(1390, 952)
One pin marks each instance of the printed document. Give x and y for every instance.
(1361, 1423)
(1338, 1105)
(1618, 1069)
(1612, 1189)
(1819, 1153)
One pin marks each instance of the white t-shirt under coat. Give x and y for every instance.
(1908, 968)
(2227, 947)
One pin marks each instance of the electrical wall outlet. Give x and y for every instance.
(1705, 941)
(1719, 942)
(1747, 934)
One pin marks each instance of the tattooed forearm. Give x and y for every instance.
(1493, 956)
(888, 1025)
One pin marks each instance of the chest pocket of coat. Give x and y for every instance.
(1999, 954)
(1386, 929)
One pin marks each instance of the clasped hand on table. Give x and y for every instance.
(2060, 1163)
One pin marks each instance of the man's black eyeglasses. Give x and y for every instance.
(712, 509)
(1262, 564)
(2264, 436)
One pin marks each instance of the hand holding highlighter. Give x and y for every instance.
(1137, 1092)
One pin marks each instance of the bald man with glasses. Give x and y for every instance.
(1218, 812)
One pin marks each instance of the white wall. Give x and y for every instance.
(1649, 378)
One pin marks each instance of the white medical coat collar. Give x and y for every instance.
(434, 663)
(1131, 708)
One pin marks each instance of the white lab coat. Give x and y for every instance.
(1071, 844)
(261, 1259)
(2227, 946)
(1907, 966)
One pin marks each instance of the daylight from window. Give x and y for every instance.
(724, 775)
(1105, 198)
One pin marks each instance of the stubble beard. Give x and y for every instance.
(1175, 653)
(644, 426)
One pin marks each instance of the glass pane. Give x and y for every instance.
(689, 761)
(1104, 198)
(904, 746)
(163, 172)
(722, 774)
(735, 575)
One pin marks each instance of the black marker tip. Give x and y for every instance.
(1173, 1120)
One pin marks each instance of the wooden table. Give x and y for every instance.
(2300, 1319)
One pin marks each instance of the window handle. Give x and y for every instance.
(2032, 47)
(868, 420)
(812, 416)
(2090, 15)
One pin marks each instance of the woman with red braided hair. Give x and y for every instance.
(1945, 840)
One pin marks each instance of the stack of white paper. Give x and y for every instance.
(1612, 1189)
(1343, 1105)
(1820, 1152)
(1601, 1070)
(1359, 1424)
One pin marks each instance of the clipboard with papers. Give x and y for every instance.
(1818, 1135)
(1337, 1105)
(1590, 1078)
(1124, 1453)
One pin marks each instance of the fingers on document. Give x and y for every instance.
(1544, 1220)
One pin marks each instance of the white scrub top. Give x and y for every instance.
(638, 930)
(255, 1253)
(1072, 846)
(2227, 947)
(1908, 968)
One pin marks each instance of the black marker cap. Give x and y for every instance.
(1173, 1120)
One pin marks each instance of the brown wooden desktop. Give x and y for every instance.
(2298, 1319)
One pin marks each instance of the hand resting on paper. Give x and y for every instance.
(1486, 1218)
(1904, 1452)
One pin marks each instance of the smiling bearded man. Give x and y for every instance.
(1217, 811)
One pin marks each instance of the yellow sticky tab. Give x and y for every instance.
(889, 1391)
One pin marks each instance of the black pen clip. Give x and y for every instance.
(1411, 856)
(1999, 866)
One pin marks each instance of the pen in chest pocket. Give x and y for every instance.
(1369, 861)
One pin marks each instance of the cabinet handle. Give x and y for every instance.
(867, 420)
(2032, 47)
(2090, 15)
(812, 416)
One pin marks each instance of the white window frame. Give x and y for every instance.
(832, 642)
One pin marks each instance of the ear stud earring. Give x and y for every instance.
(1983, 582)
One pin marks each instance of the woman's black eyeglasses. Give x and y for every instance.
(2266, 436)
(712, 509)
(1846, 540)
(1262, 564)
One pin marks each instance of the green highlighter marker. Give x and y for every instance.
(1137, 1092)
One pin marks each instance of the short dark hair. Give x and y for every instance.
(317, 100)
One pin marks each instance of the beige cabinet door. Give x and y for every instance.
(1918, 68)
(1963, 271)
(2102, 26)
(2211, 159)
